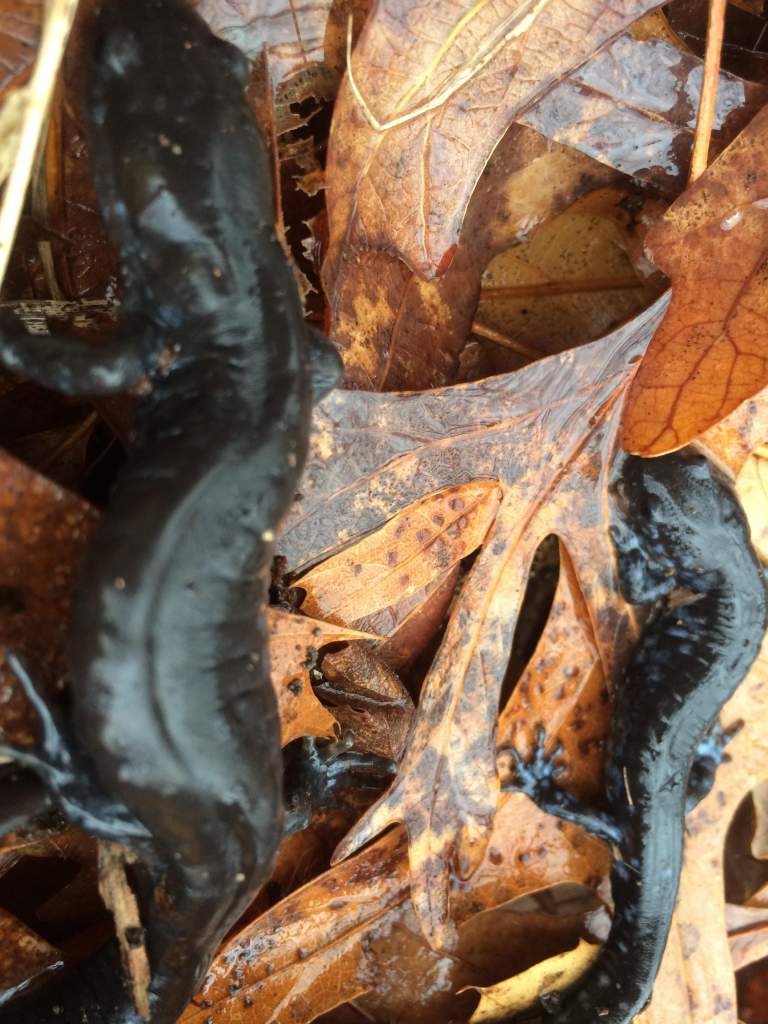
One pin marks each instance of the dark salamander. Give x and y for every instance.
(173, 745)
(679, 535)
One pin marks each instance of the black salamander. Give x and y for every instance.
(680, 536)
(172, 746)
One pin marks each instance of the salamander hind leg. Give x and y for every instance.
(61, 768)
(317, 774)
(537, 778)
(709, 755)
(326, 366)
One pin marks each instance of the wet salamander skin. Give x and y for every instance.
(679, 527)
(172, 700)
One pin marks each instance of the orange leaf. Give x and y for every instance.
(293, 640)
(710, 352)
(412, 550)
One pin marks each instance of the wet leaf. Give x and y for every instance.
(709, 354)
(398, 331)
(432, 97)
(353, 929)
(294, 646)
(498, 1002)
(633, 106)
(413, 550)
(546, 434)
(370, 701)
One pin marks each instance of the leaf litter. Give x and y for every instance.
(494, 191)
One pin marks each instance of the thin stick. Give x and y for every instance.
(706, 115)
(58, 22)
(482, 331)
(547, 288)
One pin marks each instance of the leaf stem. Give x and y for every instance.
(708, 99)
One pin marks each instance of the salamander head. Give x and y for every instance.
(676, 508)
(181, 171)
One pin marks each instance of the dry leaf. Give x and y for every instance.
(709, 354)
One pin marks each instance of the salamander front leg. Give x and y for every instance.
(317, 774)
(537, 778)
(72, 366)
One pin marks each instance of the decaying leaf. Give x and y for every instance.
(400, 332)
(709, 354)
(577, 275)
(353, 928)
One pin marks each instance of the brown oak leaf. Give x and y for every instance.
(710, 352)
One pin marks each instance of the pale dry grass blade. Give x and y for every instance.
(23, 118)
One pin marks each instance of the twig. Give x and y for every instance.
(575, 287)
(119, 898)
(482, 331)
(37, 98)
(708, 99)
